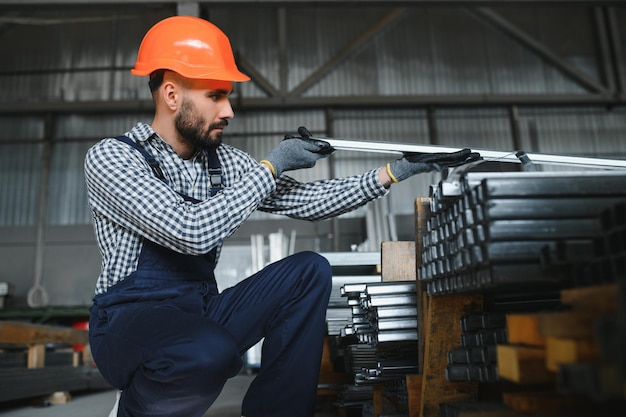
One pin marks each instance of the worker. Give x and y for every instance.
(164, 197)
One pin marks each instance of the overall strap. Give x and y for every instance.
(215, 168)
(215, 171)
(154, 165)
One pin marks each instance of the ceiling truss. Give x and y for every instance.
(606, 91)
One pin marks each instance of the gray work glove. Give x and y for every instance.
(417, 162)
(296, 152)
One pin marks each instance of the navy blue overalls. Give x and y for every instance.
(169, 340)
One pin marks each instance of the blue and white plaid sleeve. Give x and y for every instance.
(323, 199)
(123, 188)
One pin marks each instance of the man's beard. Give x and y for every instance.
(189, 125)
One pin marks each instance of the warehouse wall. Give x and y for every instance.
(540, 78)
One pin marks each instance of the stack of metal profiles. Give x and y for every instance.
(384, 329)
(603, 380)
(598, 261)
(383, 311)
(500, 230)
(348, 268)
(476, 359)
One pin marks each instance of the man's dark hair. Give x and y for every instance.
(156, 79)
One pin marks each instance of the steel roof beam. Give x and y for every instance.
(323, 2)
(242, 103)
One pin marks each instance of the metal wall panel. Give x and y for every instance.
(487, 128)
(67, 198)
(585, 131)
(21, 129)
(93, 127)
(19, 184)
(85, 54)
(405, 126)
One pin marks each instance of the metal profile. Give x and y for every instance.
(487, 154)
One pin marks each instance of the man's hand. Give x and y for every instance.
(417, 163)
(296, 152)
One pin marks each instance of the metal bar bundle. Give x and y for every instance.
(348, 268)
(601, 261)
(505, 231)
(397, 301)
(384, 328)
(476, 359)
(393, 361)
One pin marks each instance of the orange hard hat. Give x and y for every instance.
(190, 46)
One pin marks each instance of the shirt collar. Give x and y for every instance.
(143, 132)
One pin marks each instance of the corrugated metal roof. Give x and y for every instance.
(425, 50)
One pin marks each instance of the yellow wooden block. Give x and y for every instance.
(599, 299)
(36, 356)
(563, 351)
(523, 329)
(523, 364)
(569, 324)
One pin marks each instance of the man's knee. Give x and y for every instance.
(210, 357)
(318, 268)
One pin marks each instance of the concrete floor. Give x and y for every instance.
(99, 404)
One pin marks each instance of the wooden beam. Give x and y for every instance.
(422, 214)
(523, 329)
(564, 351)
(549, 403)
(32, 334)
(36, 357)
(599, 299)
(523, 365)
(570, 324)
(443, 333)
(398, 261)
(414, 391)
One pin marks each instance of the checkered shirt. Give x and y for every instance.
(129, 204)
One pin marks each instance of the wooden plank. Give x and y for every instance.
(563, 351)
(482, 409)
(523, 329)
(414, 392)
(328, 375)
(422, 214)
(490, 413)
(570, 324)
(32, 334)
(377, 400)
(599, 299)
(36, 356)
(547, 402)
(443, 330)
(398, 261)
(28, 383)
(523, 364)
(532, 329)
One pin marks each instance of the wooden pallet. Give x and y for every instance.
(40, 360)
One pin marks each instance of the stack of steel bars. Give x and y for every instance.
(604, 380)
(347, 268)
(384, 330)
(501, 230)
(475, 359)
(383, 311)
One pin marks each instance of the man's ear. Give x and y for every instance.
(170, 94)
